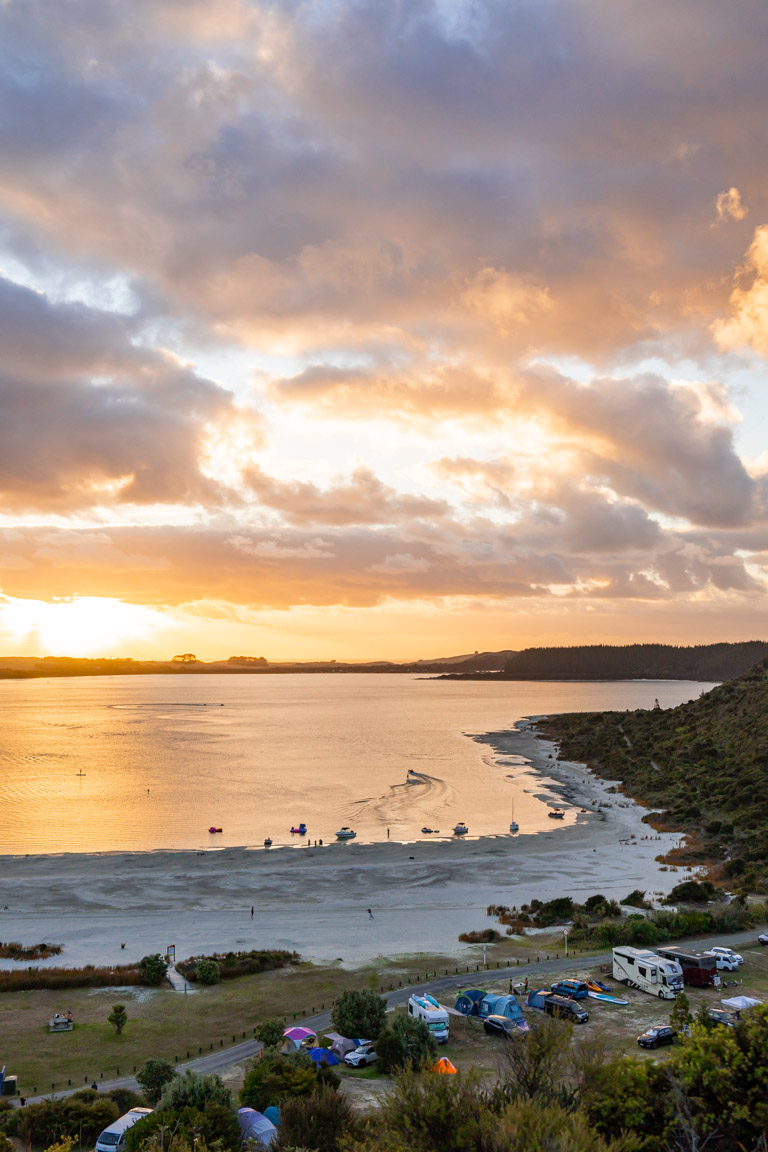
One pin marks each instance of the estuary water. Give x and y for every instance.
(148, 762)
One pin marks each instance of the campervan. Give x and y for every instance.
(426, 1008)
(113, 1137)
(643, 969)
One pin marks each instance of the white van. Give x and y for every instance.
(113, 1138)
(426, 1008)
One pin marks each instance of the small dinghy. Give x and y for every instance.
(556, 814)
(460, 829)
(345, 834)
(212, 829)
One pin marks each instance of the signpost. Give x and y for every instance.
(565, 938)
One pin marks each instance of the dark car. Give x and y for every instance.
(763, 938)
(500, 1026)
(575, 989)
(720, 1016)
(657, 1036)
(565, 1009)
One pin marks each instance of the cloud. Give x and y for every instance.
(748, 324)
(729, 206)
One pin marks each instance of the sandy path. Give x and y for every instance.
(314, 899)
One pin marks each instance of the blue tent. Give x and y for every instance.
(255, 1126)
(468, 1002)
(537, 997)
(323, 1056)
(505, 1005)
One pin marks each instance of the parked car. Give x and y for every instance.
(500, 1026)
(575, 989)
(724, 963)
(565, 1008)
(727, 954)
(763, 938)
(720, 1016)
(655, 1037)
(362, 1055)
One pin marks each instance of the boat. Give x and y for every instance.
(268, 842)
(300, 831)
(597, 986)
(212, 829)
(556, 814)
(606, 999)
(460, 829)
(345, 833)
(513, 824)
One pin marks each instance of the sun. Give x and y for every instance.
(80, 626)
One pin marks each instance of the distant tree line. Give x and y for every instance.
(636, 662)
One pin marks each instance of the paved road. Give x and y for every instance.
(222, 1058)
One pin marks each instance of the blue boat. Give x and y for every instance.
(301, 830)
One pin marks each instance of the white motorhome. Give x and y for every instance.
(643, 969)
(113, 1137)
(426, 1008)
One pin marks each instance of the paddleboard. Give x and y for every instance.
(608, 999)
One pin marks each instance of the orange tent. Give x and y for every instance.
(445, 1067)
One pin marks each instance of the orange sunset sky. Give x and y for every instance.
(342, 329)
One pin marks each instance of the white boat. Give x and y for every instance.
(513, 824)
(345, 834)
(460, 829)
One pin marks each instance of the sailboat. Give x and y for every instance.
(513, 824)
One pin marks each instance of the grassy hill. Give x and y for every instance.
(703, 764)
(635, 662)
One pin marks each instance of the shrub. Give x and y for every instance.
(214, 1127)
(152, 969)
(359, 1015)
(190, 1090)
(485, 936)
(154, 1076)
(233, 964)
(62, 978)
(275, 1078)
(407, 1043)
(118, 1017)
(207, 972)
(270, 1032)
(318, 1121)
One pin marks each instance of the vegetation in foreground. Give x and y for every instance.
(703, 764)
(548, 1095)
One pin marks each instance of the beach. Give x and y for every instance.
(314, 899)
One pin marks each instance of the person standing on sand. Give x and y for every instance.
(370, 914)
(251, 911)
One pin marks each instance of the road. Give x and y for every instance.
(223, 1058)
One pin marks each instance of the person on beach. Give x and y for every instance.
(370, 914)
(251, 911)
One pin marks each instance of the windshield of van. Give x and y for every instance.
(110, 1138)
(437, 1026)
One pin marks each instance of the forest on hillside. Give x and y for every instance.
(636, 662)
(704, 765)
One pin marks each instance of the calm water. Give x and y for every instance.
(165, 757)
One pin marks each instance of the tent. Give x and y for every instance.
(468, 1001)
(506, 1005)
(740, 1003)
(340, 1045)
(537, 997)
(295, 1038)
(323, 1056)
(273, 1114)
(444, 1067)
(255, 1126)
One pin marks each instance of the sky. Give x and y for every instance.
(385, 329)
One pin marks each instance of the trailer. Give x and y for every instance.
(699, 968)
(643, 969)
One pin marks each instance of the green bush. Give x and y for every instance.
(207, 972)
(156, 1074)
(191, 1090)
(319, 1121)
(270, 1032)
(152, 969)
(359, 1015)
(234, 964)
(406, 1043)
(275, 1078)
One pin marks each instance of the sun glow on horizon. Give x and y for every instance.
(80, 626)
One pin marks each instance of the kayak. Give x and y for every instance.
(608, 999)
